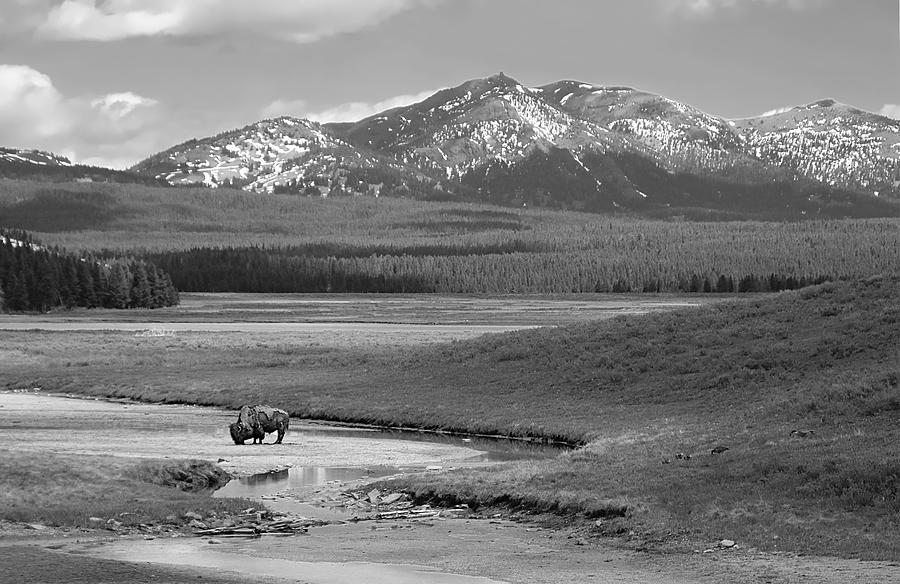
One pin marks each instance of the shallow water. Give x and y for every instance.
(172, 328)
(194, 554)
(200, 554)
(266, 485)
(134, 430)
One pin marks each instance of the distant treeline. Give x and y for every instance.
(35, 278)
(52, 173)
(292, 269)
(227, 240)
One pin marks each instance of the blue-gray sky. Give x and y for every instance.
(110, 82)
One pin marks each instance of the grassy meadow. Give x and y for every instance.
(635, 391)
(647, 398)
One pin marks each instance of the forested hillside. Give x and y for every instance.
(46, 166)
(35, 278)
(253, 269)
(229, 240)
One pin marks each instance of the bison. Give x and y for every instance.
(256, 421)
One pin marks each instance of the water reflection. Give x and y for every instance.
(263, 479)
(259, 485)
(489, 450)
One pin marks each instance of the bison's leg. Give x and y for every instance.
(282, 421)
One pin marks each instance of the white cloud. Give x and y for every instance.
(118, 129)
(345, 112)
(29, 103)
(297, 20)
(891, 110)
(113, 20)
(708, 7)
(776, 111)
(112, 127)
(118, 105)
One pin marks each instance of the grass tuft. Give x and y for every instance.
(185, 475)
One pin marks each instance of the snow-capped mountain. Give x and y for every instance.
(265, 156)
(18, 163)
(286, 155)
(675, 134)
(36, 157)
(831, 142)
(480, 122)
(566, 144)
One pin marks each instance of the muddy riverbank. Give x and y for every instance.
(46, 423)
(480, 548)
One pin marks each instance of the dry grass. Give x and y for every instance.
(817, 495)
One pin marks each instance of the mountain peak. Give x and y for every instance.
(492, 131)
(483, 85)
(827, 104)
(502, 78)
(288, 120)
(32, 156)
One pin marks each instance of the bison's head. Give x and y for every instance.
(239, 432)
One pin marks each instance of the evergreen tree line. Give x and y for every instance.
(35, 278)
(61, 173)
(258, 269)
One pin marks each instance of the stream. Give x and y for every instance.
(271, 488)
(312, 456)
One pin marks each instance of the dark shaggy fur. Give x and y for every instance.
(256, 421)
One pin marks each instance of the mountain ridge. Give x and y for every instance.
(566, 144)
(34, 164)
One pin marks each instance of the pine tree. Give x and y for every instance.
(86, 288)
(68, 283)
(696, 285)
(17, 294)
(141, 294)
(118, 293)
(45, 295)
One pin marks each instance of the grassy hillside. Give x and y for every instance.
(654, 396)
(649, 397)
(69, 490)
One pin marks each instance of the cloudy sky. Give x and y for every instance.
(109, 82)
